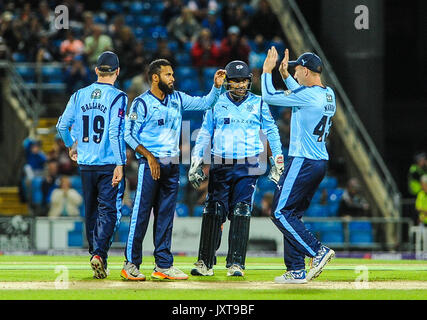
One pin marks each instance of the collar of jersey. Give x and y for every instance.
(163, 102)
(108, 84)
(237, 103)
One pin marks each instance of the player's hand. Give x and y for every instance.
(154, 167)
(270, 61)
(277, 168)
(283, 68)
(72, 152)
(196, 174)
(117, 176)
(219, 78)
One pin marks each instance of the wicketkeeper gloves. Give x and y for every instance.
(196, 174)
(277, 168)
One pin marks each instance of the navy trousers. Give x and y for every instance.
(232, 183)
(160, 197)
(296, 188)
(103, 205)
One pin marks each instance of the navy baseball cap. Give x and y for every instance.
(309, 60)
(108, 60)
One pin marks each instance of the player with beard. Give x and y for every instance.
(153, 129)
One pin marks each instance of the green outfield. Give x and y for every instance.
(44, 277)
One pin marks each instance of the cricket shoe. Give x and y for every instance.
(235, 271)
(131, 272)
(201, 269)
(98, 267)
(322, 257)
(292, 276)
(170, 273)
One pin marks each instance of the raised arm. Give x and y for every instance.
(205, 102)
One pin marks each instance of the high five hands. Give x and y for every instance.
(271, 61)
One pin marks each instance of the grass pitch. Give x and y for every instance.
(70, 277)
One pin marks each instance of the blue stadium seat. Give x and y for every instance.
(185, 72)
(140, 33)
(150, 44)
(181, 210)
(360, 226)
(123, 231)
(126, 84)
(173, 45)
(332, 237)
(36, 190)
(144, 21)
(190, 86)
(158, 32)
(328, 182)
(360, 232)
(82, 210)
(181, 194)
(75, 237)
(183, 59)
(100, 19)
(136, 7)
(27, 73)
(317, 210)
(130, 20)
(19, 57)
(52, 74)
(361, 238)
(112, 6)
(76, 182)
(198, 211)
(331, 226)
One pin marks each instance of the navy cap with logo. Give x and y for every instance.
(237, 69)
(108, 60)
(309, 60)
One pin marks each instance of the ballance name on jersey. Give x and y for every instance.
(329, 107)
(91, 106)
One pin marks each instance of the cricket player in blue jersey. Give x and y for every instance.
(153, 129)
(313, 106)
(233, 126)
(96, 114)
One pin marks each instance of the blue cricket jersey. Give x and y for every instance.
(96, 116)
(234, 128)
(312, 111)
(156, 124)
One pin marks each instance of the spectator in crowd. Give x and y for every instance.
(65, 201)
(47, 18)
(59, 153)
(284, 125)
(70, 47)
(242, 20)
(163, 51)
(352, 203)
(137, 59)
(204, 52)
(50, 182)
(13, 33)
(214, 23)
(228, 13)
(77, 75)
(200, 8)
(115, 29)
(88, 24)
(34, 158)
(265, 22)
(234, 47)
(258, 53)
(171, 10)
(96, 44)
(421, 201)
(140, 83)
(184, 28)
(417, 169)
(45, 52)
(124, 43)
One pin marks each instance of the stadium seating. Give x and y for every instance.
(360, 232)
(198, 211)
(328, 182)
(27, 73)
(36, 190)
(182, 210)
(317, 210)
(75, 237)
